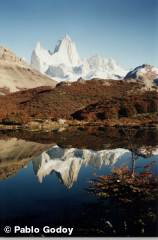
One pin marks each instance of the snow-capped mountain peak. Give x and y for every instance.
(146, 73)
(65, 63)
(66, 40)
(38, 46)
(66, 50)
(139, 71)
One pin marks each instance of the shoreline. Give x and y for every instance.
(62, 125)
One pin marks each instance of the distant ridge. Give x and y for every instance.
(16, 74)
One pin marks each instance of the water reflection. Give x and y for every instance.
(52, 202)
(65, 162)
(16, 153)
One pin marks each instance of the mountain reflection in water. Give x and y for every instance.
(31, 174)
(66, 163)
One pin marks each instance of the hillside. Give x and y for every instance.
(95, 100)
(17, 75)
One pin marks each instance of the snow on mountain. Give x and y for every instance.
(65, 52)
(105, 68)
(64, 64)
(146, 73)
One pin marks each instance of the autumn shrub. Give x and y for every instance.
(126, 205)
(123, 188)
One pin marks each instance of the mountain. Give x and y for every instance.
(146, 73)
(15, 74)
(64, 64)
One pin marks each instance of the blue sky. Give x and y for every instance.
(126, 30)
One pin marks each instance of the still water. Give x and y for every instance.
(44, 177)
